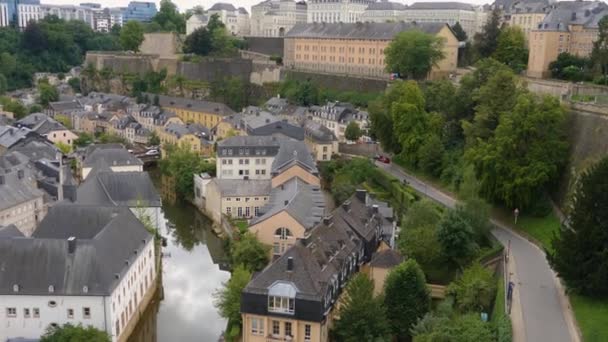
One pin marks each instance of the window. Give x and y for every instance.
(86, 312)
(276, 328)
(276, 248)
(11, 312)
(288, 329)
(70, 313)
(307, 332)
(117, 327)
(256, 211)
(282, 233)
(26, 313)
(239, 211)
(36, 312)
(247, 211)
(281, 304)
(257, 326)
(228, 210)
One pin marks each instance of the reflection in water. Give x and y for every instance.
(192, 270)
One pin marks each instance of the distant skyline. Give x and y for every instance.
(186, 4)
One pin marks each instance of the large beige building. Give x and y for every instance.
(571, 27)
(471, 17)
(528, 15)
(274, 18)
(358, 49)
(336, 11)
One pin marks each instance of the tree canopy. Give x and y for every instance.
(181, 162)
(412, 54)
(474, 290)
(512, 48)
(69, 332)
(580, 254)
(249, 252)
(131, 35)
(457, 238)
(228, 298)
(168, 18)
(353, 131)
(486, 41)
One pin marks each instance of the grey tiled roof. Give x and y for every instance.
(10, 231)
(11, 135)
(222, 6)
(48, 125)
(242, 10)
(248, 141)
(379, 31)
(565, 13)
(442, 6)
(292, 152)
(195, 105)
(530, 7)
(36, 149)
(243, 187)
(387, 258)
(130, 189)
(304, 202)
(32, 120)
(386, 6)
(112, 156)
(66, 106)
(105, 239)
(318, 132)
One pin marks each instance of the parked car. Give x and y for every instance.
(383, 159)
(152, 153)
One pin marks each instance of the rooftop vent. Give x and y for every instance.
(71, 245)
(16, 288)
(290, 264)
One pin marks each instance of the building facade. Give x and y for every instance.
(572, 26)
(139, 11)
(358, 49)
(68, 289)
(69, 12)
(383, 11)
(471, 18)
(336, 11)
(274, 18)
(28, 10)
(205, 113)
(4, 14)
(528, 15)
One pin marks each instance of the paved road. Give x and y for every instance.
(542, 311)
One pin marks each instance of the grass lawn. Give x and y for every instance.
(592, 317)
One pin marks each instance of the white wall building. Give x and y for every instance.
(235, 19)
(471, 17)
(274, 18)
(69, 12)
(336, 11)
(383, 11)
(4, 17)
(28, 11)
(71, 286)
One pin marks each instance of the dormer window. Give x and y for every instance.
(282, 298)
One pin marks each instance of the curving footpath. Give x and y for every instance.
(540, 309)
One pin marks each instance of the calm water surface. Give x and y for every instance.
(194, 266)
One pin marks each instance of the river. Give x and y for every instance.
(194, 266)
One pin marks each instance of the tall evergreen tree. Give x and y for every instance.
(459, 32)
(487, 40)
(580, 254)
(599, 54)
(406, 298)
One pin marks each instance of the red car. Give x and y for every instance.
(384, 159)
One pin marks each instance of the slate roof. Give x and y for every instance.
(10, 231)
(441, 6)
(48, 125)
(194, 105)
(565, 13)
(377, 31)
(387, 258)
(243, 187)
(250, 141)
(318, 132)
(530, 7)
(32, 120)
(112, 156)
(304, 202)
(11, 135)
(105, 239)
(242, 10)
(37, 149)
(386, 6)
(66, 106)
(293, 152)
(15, 191)
(108, 188)
(222, 6)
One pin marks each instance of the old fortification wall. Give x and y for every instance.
(342, 83)
(272, 46)
(164, 44)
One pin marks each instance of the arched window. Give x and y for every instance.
(282, 233)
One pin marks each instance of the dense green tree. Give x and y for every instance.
(422, 213)
(228, 298)
(430, 155)
(571, 67)
(580, 254)
(74, 82)
(474, 290)
(231, 91)
(13, 106)
(456, 237)
(131, 35)
(464, 328)
(181, 162)
(3, 84)
(407, 297)
(84, 139)
(35, 108)
(526, 153)
(352, 131)
(512, 48)
(249, 252)
(154, 140)
(421, 244)
(47, 93)
(459, 32)
(412, 54)
(168, 18)
(440, 97)
(599, 54)
(198, 42)
(476, 212)
(69, 333)
(362, 316)
(486, 41)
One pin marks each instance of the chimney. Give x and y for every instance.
(20, 174)
(289, 264)
(286, 202)
(346, 206)
(71, 245)
(361, 195)
(327, 220)
(1, 179)
(375, 208)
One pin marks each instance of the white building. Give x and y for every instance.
(28, 11)
(69, 12)
(99, 270)
(235, 19)
(336, 116)
(471, 17)
(274, 18)
(336, 11)
(116, 16)
(383, 11)
(4, 17)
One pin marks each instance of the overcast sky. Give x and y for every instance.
(185, 4)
